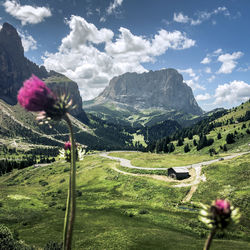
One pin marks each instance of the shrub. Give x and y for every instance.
(143, 211)
(62, 180)
(43, 183)
(6, 238)
(186, 148)
(219, 136)
(230, 138)
(53, 246)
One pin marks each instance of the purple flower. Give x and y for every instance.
(222, 207)
(67, 145)
(35, 95)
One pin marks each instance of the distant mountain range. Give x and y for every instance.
(152, 104)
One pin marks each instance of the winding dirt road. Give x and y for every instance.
(193, 184)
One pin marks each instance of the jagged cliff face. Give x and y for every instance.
(58, 82)
(163, 89)
(15, 68)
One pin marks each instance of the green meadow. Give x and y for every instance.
(117, 211)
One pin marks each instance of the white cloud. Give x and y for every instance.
(201, 16)
(233, 92)
(26, 14)
(208, 70)
(113, 6)
(217, 52)
(28, 42)
(203, 97)
(193, 82)
(111, 9)
(180, 18)
(210, 79)
(241, 69)
(206, 60)
(188, 71)
(228, 62)
(80, 58)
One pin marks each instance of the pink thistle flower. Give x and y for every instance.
(222, 207)
(35, 95)
(67, 145)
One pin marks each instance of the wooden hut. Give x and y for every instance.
(178, 173)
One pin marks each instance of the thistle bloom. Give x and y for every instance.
(218, 216)
(222, 207)
(67, 145)
(35, 95)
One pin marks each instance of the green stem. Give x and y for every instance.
(71, 200)
(209, 239)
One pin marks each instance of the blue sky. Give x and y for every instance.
(91, 41)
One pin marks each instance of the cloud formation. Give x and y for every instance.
(203, 97)
(201, 16)
(113, 6)
(208, 58)
(193, 81)
(81, 58)
(25, 13)
(233, 92)
(28, 42)
(228, 62)
(111, 9)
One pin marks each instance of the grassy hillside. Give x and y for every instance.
(19, 129)
(126, 115)
(116, 211)
(236, 122)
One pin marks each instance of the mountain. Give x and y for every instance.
(19, 129)
(162, 89)
(139, 98)
(15, 68)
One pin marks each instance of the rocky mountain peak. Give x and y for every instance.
(10, 40)
(162, 89)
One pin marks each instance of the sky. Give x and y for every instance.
(91, 41)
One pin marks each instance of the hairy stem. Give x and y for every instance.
(209, 239)
(71, 200)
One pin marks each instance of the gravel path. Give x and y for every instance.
(193, 184)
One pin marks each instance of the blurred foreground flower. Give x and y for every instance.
(66, 152)
(218, 216)
(36, 96)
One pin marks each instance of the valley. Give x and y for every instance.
(137, 129)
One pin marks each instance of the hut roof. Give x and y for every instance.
(180, 169)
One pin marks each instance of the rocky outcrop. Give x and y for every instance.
(15, 68)
(162, 89)
(60, 84)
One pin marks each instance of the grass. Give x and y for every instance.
(152, 160)
(114, 211)
(229, 179)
